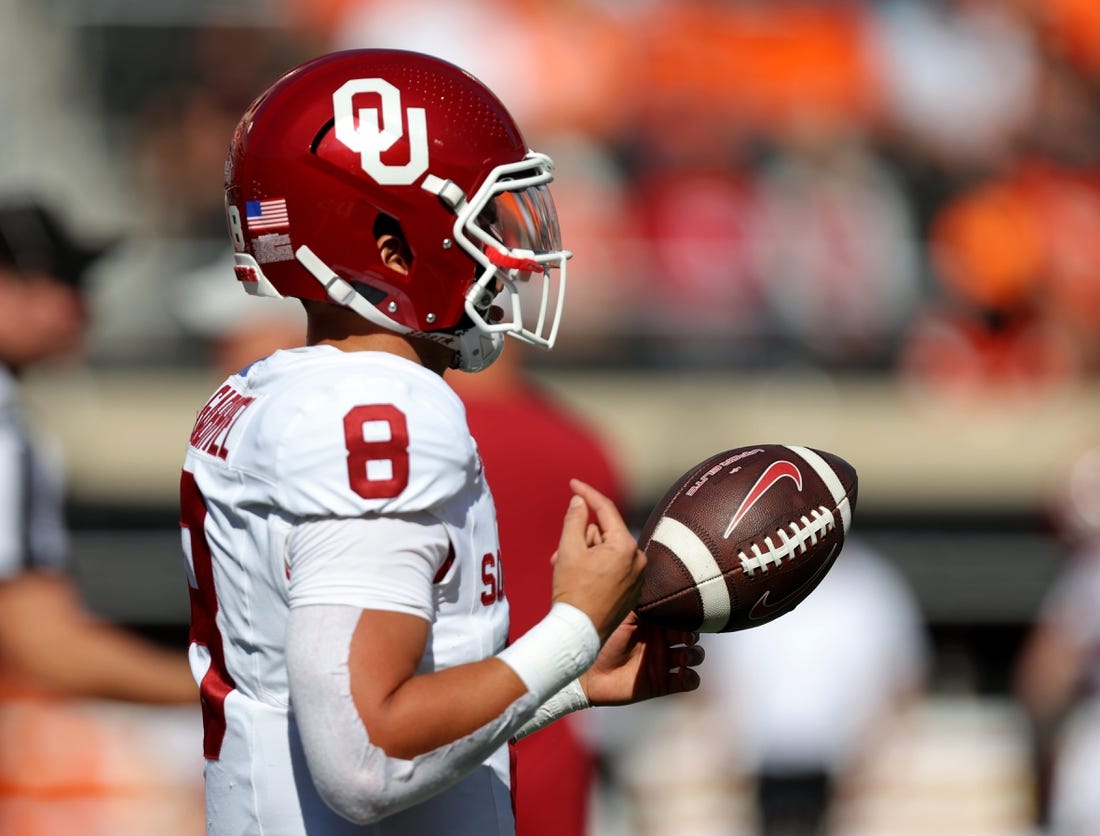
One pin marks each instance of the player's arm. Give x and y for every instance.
(406, 714)
(423, 732)
(638, 662)
(49, 641)
(401, 710)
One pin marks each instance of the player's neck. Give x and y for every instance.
(344, 329)
(427, 354)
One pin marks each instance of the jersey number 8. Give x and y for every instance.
(377, 440)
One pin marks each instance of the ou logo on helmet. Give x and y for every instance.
(369, 137)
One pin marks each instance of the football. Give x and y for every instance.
(744, 537)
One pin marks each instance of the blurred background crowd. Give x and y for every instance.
(890, 195)
(850, 185)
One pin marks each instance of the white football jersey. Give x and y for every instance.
(317, 433)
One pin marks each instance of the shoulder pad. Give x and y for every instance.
(368, 443)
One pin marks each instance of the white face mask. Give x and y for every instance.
(510, 228)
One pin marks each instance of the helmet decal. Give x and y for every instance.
(369, 138)
(261, 215)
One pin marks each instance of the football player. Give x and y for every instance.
(349, 618)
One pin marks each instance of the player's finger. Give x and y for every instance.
(668, 636)
(683, 679)
(592, 535)
(685, 657)
(576, 522)
(686, 637)
(607, 515)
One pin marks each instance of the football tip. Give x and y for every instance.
(845, 472)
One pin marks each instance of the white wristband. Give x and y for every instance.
(569, 699)
(556, 650)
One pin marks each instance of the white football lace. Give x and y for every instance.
(819, 523)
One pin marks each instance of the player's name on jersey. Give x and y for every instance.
(216, 419)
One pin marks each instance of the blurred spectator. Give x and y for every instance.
(723, 81)
(47, 641)
(715, 200)
(750, 66)
(1017, 261)
(702, 302)
(180, 134)
(559, 66)
(839, 253)
(958, 77)
(953, 350)
(55, 655)
(181, 137)
(802, 699)
(1071, 28)
(233, 328)
(608, 290)
(531, 446)
(456, 32)
(1058, 672)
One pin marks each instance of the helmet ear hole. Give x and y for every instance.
(393, 246)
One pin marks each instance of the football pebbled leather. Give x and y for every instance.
(744, 536)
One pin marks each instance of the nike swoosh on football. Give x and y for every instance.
(775, 472)
(762, 610)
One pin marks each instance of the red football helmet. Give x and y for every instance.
(351, 145)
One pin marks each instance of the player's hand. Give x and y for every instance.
(598, 566)
(641, 661)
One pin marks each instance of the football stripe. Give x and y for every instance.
(704, 569)
(832, 482)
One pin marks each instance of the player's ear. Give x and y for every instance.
(392, 246)
(395, 253)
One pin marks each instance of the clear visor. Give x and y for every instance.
(523, 220)
(510, 227)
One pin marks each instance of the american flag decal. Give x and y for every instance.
(266, 214)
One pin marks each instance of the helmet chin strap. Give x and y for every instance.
(474, 350)
(342, 293)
